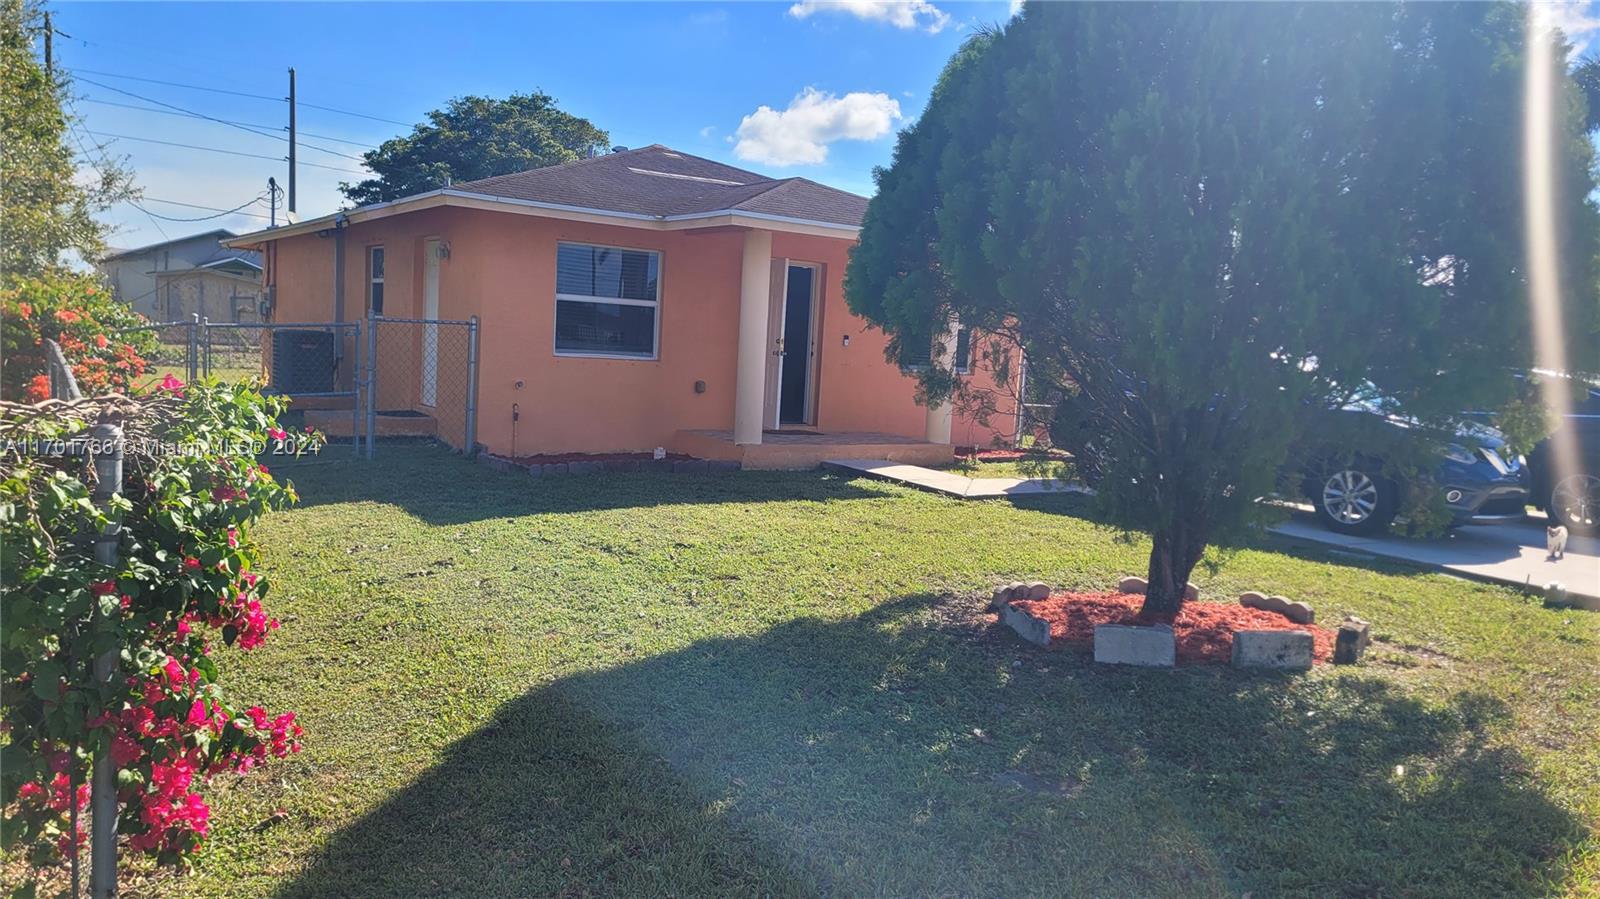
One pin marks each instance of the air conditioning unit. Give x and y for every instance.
(302, 361)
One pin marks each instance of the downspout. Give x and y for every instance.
(339, 225)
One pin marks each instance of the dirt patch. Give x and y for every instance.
(1011, 455)
(1204, 630)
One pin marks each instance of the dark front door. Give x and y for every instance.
(793, 407)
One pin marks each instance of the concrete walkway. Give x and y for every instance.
(1511, 554)
(953, 484)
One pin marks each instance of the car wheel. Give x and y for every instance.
(1575, 502)
(1355, 501)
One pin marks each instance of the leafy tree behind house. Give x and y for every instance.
(47, 212)
(476, 137)
(1209, 224)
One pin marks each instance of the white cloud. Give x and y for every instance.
(899, 13)
(800, 134)
(708, 131)
(1576, 18)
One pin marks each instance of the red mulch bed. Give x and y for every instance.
(1204, 630)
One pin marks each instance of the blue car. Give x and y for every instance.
(1480, 482)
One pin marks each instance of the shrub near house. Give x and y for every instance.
(75, 312)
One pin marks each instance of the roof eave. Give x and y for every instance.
(465, 199)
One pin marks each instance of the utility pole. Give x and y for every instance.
(272, 199)
(291, 140)
(49, 46)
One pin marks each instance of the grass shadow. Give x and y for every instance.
(912, 750)
(443, 488)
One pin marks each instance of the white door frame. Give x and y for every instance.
(808, 413)
(429, 387)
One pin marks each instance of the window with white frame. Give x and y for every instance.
(917, 361)
(608, 301)
(375, 280)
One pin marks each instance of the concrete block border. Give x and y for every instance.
(1273, 650)
(1031, 628)
(1121, 644)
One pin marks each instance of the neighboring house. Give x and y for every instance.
(174, 279)
(640, 299)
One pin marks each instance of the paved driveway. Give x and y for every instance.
(1507, 553)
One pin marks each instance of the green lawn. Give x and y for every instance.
(779, 684)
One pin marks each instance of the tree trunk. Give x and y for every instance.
(1173, 554)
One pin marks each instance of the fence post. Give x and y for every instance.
(373, 319)
(355, 382)
(205, 330)
(106, 442)
(194, 345)
(472, 386)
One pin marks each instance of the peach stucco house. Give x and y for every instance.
(645, 298)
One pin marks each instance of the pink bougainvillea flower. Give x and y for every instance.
(277, 434)
(233, 538)
(103, 588)
(197, 714)
(191, 563)
(125, 750)
(127, 601)
(174, 671)
(172, 385)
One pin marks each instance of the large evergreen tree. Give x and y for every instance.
(476, 137)
(46, 211)
(1207, 224)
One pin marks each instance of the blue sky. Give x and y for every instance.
(837, 82)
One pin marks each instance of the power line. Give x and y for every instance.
(72, 125)
(194, 87)
(237, 210)
(196, 115)
(359, 115)
(172, 143)
(218, 90)
(201, 115)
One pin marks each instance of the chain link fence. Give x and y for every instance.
(358, 381)
(168, 348)
(422, 380)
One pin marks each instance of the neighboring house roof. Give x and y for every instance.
(218, 235)
(653, 186)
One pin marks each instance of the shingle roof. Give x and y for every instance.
(660, 181)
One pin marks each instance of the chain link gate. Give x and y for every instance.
(421, 381)
(317, 364)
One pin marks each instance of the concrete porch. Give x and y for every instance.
(789, 450)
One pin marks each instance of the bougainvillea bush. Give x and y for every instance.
(184, 584)
(78, 313)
